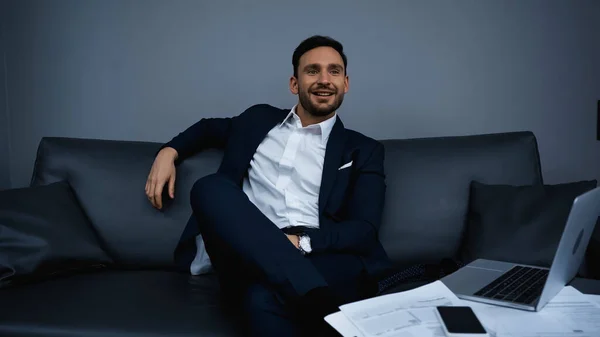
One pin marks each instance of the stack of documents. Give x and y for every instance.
(411, 314)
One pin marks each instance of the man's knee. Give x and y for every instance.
(206, 188)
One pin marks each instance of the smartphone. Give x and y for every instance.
(460, 322)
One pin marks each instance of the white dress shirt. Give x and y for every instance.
(284, 177)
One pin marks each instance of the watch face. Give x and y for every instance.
(305, 244)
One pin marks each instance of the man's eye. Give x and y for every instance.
(335, 72)
(311, 72)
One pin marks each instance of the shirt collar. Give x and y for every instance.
(325, 126)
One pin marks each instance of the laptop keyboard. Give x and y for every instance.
(519, 285)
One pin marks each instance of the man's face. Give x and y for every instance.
(321, 82)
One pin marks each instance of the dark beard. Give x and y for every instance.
(319, 111)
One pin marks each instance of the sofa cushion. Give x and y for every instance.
(108, 178)
(521, 224)
(44, 233)
(117, 304)
(428, 188)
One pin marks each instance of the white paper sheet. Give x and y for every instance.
(569, 314)
(594, 298)
(340, 323)
(389, 315)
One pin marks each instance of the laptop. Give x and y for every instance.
(529, 287)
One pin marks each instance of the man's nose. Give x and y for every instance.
(323, 78)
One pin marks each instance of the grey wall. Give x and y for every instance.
(145, 70)
(4, 117)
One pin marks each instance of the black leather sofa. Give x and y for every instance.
(143, 295)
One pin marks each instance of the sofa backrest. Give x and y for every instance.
(428, 182)
(108, 177)
(426, 202)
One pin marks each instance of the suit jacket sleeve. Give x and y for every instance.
(204, 134)
(358, 233)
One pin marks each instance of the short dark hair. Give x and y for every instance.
(313, 42)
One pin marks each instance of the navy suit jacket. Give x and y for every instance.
(350, 200)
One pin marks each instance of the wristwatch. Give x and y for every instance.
(304, 244)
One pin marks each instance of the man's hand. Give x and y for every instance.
(294, 239)
(161, 173)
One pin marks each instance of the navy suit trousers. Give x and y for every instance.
(259, 269)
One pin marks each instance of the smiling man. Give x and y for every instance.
(290, 220)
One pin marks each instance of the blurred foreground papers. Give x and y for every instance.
(411, 314)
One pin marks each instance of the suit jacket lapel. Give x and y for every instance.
(254, 137)
(260, 131)
(263, 128)
(333, 157)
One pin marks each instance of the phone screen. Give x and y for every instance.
(460, 320)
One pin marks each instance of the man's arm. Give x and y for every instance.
(359, 232)
(206, 133)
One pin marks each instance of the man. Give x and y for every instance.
(291, 218)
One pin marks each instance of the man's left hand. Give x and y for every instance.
(294, 239)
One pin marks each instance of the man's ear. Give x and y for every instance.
(346, 84)
(294, 85)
